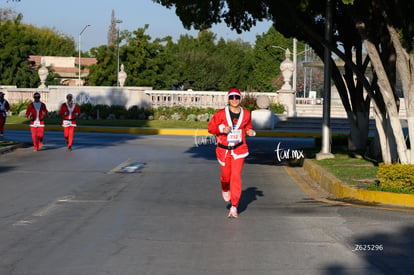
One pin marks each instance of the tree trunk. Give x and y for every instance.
(406, 71)
(387, 95)
(381, 123)
(358, 136)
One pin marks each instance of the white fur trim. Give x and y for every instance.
(221, 163)
(221, 128)
(239, 156)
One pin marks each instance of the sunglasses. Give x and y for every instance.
(237, 97)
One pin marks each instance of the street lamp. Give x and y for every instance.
(117, 49)
(79, 48)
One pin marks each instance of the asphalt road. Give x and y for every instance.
(82, 212)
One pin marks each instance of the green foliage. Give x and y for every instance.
(396, 177)
(168, 112)
(16, 108)
(101, 111)
(277, 108)
(87, 109)
(18, 41)
(90, 111)
(267, 57)
(248, 102)
(200, 63)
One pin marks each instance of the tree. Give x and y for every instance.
(112, 32)
(269, 52)
(18, 41)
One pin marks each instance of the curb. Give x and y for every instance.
(335, 187)
(10, 148)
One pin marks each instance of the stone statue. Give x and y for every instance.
(43, 72)
(287, 67)
(286, 95)
(122, 76)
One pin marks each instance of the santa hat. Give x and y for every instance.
(234, 91)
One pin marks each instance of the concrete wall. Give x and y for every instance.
(54, 96)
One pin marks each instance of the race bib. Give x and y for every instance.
(67, 123)
(36, 123)
(235, 136)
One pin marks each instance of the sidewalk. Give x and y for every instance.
(325, 180)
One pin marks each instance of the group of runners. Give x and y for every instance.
(230, 125)
(36, 113)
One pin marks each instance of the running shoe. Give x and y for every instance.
(233, 212)
(226, 196)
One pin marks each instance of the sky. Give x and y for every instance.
(71, 17)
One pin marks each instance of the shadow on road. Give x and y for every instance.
(247, 197)
(390, 253)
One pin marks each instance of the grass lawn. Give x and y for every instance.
(351, 170)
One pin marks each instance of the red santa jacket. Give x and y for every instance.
(69, 114)
(4, 108)
(36, 112)
(221, 120)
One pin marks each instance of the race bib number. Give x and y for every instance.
(36, 123)
(235, 136)
(67, 123)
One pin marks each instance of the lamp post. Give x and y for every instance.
(79, 49)
(117, 50)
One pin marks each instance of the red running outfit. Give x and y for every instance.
(4, 108)
(69, 113)
(231, 149)
(36, 112)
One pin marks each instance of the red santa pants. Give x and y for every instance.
(2, 122)
(231, 177)
(37, 137)
(68, 133)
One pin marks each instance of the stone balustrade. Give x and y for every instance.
(202, 99)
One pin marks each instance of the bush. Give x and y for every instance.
(87, 110)
(102, 111)
(249, 102)
(396, 177)
(134, 112)
(191, 117)
(16, 108)
(119, 111)
(176, 116)
(277, 108)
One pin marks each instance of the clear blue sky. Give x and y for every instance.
(70, 17)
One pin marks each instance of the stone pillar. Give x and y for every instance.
(43, 72)
(286, 95)
(122, 76)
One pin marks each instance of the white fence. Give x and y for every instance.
(204, 99)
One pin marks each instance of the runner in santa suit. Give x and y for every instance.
(4, 108)
(230, 126)
(70, 111)
(36, 112)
